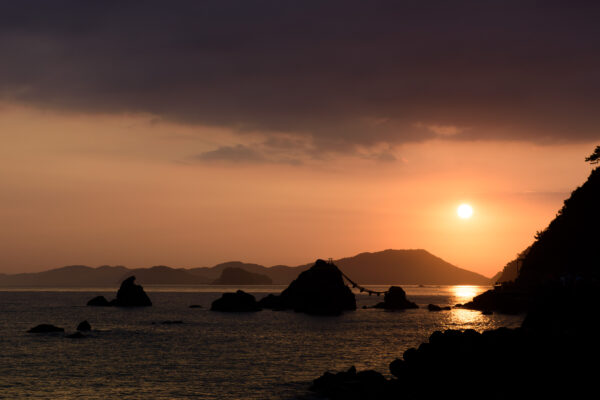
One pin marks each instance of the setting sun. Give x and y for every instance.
(464, 211)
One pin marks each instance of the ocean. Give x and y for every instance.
(131, 354)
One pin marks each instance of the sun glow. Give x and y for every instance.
(464, 211)
(464, 293)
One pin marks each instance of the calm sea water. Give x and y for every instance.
(263, 355)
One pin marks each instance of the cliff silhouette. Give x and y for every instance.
(568, 247)
(511, 270)
(562, 264)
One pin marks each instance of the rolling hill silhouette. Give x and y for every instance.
(378, 268)
(239, 276)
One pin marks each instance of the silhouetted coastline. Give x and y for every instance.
(549, 356)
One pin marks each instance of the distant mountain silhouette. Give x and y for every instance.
(279, 274)
(380, 268)
(83, 276)
(162, 275)
(406, 267)
(70, 276)
(239, 276)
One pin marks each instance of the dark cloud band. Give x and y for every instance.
(341, 72)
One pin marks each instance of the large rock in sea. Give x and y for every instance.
(132, 295)
(239, 301)
(395, 299)
(129, 295)
(318, 291)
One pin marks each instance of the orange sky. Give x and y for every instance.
(127, 189)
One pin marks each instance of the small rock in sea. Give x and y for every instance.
(395, 299)
(98, 301)
(195, 306)
(45, 328)
(76, 335)
(171, 322)
(487, 312)
(239, 301)
(84, 326)
(434, 307)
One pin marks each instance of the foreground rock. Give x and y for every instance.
(45, 328)
(350, 385)
(547, 357)
(319, 290)
(395, 299)
(239, 301)
(84, 326)
(128, 295)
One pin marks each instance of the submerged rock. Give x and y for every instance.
(395, 299)
(239, 301)
(84, 326)
(99, 301)
(45, 328)
(319, 290)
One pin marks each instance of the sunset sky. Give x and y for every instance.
(278, 132)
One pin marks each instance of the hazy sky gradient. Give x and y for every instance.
(191, 133)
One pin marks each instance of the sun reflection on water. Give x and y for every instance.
(460, 318)
(465, 293)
